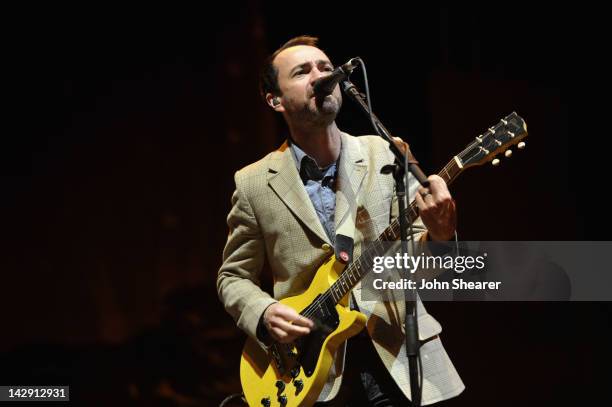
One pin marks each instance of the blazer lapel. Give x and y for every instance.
(351, 172)
(284, 179)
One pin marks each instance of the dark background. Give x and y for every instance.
(117, 167)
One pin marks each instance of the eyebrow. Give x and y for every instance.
(318, 62)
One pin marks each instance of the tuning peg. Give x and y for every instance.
(495, 162)
(521, 145)
(508, 153)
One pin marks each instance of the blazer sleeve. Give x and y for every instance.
(243, 257)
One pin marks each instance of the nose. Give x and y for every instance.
(316, 73)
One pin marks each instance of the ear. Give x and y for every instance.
(274, 102)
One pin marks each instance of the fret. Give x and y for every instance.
(369, 254)
(365, 256)
(447, 177)
(378, 248)
(337, 292)
(452, 171)
(357, 269)
(343, 283)
(395, 229)
(348, 283)
(343, 287)
(351, 276)
(389, 235)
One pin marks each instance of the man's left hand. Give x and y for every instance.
(437, 209)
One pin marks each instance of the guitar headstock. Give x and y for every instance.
(499, 138)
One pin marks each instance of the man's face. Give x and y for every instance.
(298, 67)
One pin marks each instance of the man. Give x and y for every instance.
(288, 209)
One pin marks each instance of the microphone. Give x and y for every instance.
(325, 86)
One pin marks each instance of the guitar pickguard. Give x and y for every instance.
(326, 320)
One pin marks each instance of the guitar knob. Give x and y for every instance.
(281, 385)
(495, 162)
(299, 385)
(291, 353)
(295, 372)
(265, 402)
(282, 400)
(521, 145)
(508, 153)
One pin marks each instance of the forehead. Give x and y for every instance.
(289, 58)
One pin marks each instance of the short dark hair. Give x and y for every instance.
(268, 81)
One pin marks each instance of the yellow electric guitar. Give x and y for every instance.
(294, 374)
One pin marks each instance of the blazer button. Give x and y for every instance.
(326, 247)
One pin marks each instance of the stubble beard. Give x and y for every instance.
(320, 114)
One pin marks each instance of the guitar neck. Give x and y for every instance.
(360, 267)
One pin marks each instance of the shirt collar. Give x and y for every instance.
(300, 155)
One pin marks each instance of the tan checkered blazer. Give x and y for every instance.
(273, 217)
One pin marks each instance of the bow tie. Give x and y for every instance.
(310, 170)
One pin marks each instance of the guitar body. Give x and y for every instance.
(304, 366)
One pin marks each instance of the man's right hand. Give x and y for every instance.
(284, 324)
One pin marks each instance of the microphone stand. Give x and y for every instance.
(413, 165)
(399, 170)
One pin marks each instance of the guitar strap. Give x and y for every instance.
(345, 227)
(344, 248)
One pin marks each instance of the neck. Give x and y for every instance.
(322, 144)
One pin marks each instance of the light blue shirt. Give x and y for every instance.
(322, 192)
